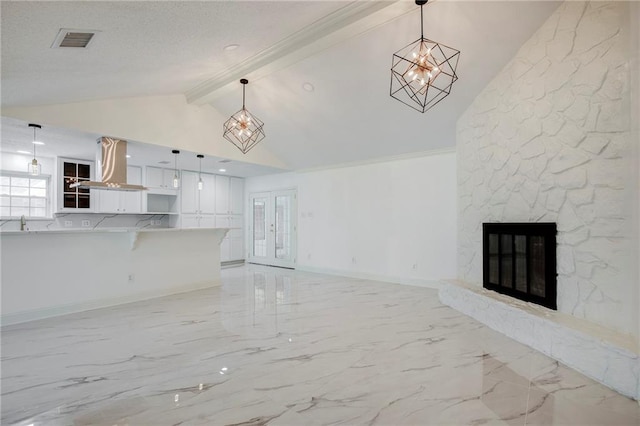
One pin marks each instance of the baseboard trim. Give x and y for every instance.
(54, 311)
(415, 282)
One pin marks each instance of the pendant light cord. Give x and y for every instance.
(34, 145)
(243, 86)
(421, 22)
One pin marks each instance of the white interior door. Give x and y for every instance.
(272, 230)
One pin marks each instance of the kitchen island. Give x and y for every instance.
(54, 272)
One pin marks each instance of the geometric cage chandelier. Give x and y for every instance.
(243, 129)
(423, 72)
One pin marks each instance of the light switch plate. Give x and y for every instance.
(86, 223)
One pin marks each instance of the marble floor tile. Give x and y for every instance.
(281, 347)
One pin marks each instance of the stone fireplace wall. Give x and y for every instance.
(548, 140)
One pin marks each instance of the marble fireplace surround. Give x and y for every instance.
(605, 356)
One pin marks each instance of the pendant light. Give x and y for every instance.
(34, 166)
(423, 72)
(243, 129)
(176, 179)
(200, 183)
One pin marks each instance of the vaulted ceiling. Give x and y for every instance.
(343, 49)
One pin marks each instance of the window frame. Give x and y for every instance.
(48, 196)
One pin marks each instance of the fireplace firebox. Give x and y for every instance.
(519, 260)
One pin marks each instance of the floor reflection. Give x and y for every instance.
(277, 346)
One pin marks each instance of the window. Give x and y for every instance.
(21, 194)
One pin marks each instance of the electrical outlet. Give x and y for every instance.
(86, 223)
(68, 224)
(132, 278)
(415, 266)
(353, 260)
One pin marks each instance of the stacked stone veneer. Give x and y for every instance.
(548, 141)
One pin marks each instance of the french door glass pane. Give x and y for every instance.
(283, 227)
(259, 227)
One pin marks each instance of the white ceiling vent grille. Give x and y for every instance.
(74, 38)
(224, 161)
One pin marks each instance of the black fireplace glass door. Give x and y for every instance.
(494, 259)
(519, 259)
(536, 245)
(521, 262)
(506, 248)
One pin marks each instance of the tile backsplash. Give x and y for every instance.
(90, 221)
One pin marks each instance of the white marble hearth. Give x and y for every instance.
(606, 356)
(281, 347)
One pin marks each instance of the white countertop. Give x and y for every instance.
(91, 230)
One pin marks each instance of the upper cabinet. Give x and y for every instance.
(194, 200)
(229, 195)
(74, 199)
(112, 201)
(158, 178)
(236, 199)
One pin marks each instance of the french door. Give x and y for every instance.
(272, 230)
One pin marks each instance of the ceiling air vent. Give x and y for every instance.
(74, 38)
(224, 161)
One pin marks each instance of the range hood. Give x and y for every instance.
(112, 165)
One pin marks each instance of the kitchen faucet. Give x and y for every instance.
(23, 222)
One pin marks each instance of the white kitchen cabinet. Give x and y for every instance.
(236, 196)
(229, 195)
(113, 201)
(208, 194)
(160, 178)
(189, 194)
(232, 247)
(190, 221)
(194, 200)
(197, 221)
(222, 195)
(207, 221)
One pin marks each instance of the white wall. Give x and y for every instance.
(549, 140)
(635, 129)
(392, 220)
(18, 163)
